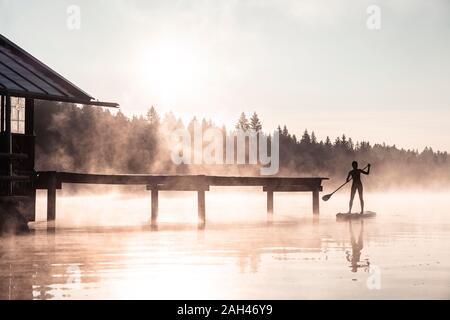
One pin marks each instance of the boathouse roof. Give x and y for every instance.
(23, 75)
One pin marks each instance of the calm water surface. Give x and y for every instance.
(102, 247)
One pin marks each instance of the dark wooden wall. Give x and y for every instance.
(18, 193)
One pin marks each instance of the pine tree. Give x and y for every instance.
(242, 123)
(170, 121)
(255, 124)
(313, 138)
(306, 138)
(351, 145)
(337, 142)
(121, 118)
(191, 125)
(328, 142)
(294, 138)
(204, 125)
(152, 116)
(279, 130)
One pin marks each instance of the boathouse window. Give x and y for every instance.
(18, 115)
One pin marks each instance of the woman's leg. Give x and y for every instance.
(352, 196)
(361, 197)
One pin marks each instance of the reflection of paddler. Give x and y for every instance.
(357, 246)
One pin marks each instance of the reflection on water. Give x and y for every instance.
(357, 245)
(293, 257)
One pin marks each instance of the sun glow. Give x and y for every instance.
(172, 71)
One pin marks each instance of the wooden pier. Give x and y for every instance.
(52, 181)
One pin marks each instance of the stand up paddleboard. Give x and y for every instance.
(348, 216)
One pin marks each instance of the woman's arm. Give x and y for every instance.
(368, 170)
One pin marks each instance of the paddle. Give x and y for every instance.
(328, 196)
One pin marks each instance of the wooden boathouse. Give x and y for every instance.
(23, 79)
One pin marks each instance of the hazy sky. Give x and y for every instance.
(307, 64)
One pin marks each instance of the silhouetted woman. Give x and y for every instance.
(355, 174)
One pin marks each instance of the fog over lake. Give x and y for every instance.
(104, 247)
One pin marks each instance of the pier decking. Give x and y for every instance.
(52, 181)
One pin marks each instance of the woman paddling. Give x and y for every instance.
(355, 175)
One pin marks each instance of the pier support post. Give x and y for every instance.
(201, 206)
(315, 196)
(269, 202)
(154, 205)
(51, 198)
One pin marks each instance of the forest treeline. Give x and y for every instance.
(95, 140)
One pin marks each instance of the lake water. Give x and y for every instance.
(103, 248)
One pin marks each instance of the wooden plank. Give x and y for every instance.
(14, 178)
(35, 95)
(13, 156)
(2, 113)
(8, 140)
(29, 117)
(264, 181)
(14, 198)
(184, 180)
(178, 187)
(131, 179)
(43, 180)
(291, 188)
